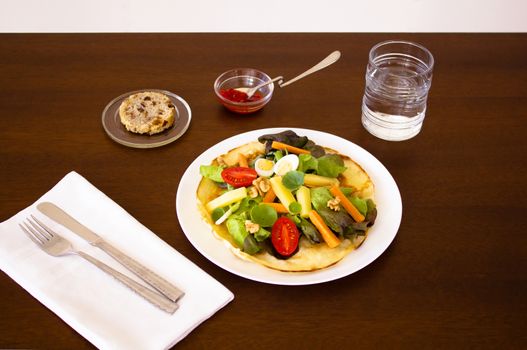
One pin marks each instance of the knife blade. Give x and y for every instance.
(60, 216)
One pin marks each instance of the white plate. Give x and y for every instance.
(382, 233)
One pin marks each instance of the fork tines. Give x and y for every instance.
(37, 231)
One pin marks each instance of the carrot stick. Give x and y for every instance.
(242, 160)
(269, 196)
(350, 208)
(289, 148)
(279, 207)
(330, 238)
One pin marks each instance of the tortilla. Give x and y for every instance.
(310, 256)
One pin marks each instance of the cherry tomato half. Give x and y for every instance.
(239, 176)
(284, 236)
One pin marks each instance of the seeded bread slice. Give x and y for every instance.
(147, 112)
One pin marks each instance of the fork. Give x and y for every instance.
(55, 245)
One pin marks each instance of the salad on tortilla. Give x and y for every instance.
(287, 203)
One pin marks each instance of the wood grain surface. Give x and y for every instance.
(455, 275)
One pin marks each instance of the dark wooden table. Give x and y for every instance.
(455, 275)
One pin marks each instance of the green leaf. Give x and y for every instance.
(338, 221)
(217, 213)
(316, 150)
(347, 191)
(288, 136)
(372, 212)
(226, 214)
(212, 172)
(320, 197)
(250, 246)
(264, 215)
(262, 235)
(236, 227)
(295, 208)
(247, 204)
(360, 204)
(330, 165)
(278, 155)
(307, 163)
(309, 230)
(294, 218)
(360, 226)
(371, 205)
(293, 180)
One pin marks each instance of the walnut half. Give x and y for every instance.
(262, 184)
(333, 204)
(252, 191)
(251, 227)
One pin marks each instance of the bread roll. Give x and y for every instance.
(147, 113)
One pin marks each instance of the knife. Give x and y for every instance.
(57, 214)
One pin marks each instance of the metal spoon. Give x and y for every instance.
(251, 91)
(332, 58)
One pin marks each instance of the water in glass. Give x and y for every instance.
(397, 85)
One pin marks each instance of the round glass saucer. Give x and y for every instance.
(111, 123)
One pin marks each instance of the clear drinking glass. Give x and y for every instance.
(398, 78)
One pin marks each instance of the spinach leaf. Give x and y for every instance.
(330, 165)
(292, 180)
(264, 215)
(212, 172)
(295, 208)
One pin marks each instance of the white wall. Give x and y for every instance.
(263, 16)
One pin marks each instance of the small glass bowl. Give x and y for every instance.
(244, 77)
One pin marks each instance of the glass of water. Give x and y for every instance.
(398, 78)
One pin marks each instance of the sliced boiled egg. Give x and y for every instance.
(286, 164)
(264, 167)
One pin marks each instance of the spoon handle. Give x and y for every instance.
(332, 58)
(252, 91)
(267, 83)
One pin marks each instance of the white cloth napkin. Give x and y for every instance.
(100, 308)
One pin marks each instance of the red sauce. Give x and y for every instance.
(238, 96)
